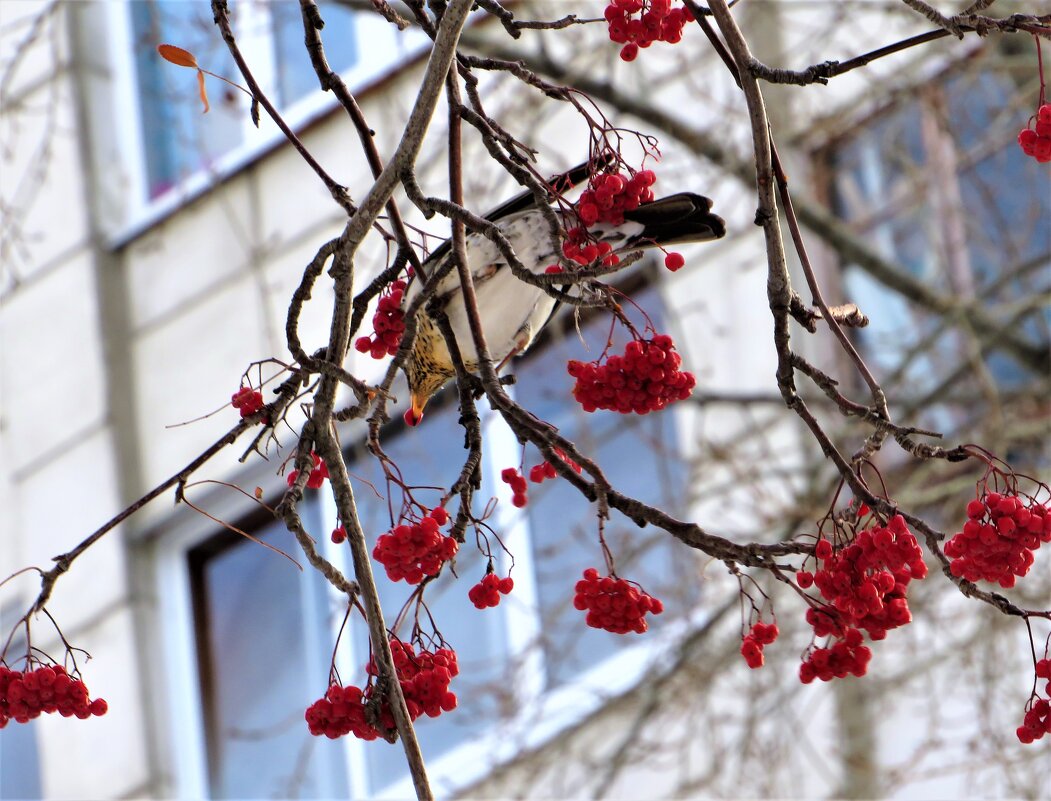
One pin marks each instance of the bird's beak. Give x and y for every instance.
(414, 414)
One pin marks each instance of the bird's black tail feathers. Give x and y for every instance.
(675, 220)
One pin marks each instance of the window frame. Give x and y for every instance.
(381, 52)
(544, 713)
(950, 161)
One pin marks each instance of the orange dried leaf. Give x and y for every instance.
(177, 56)
(204, 94)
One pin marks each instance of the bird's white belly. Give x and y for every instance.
(512, 313)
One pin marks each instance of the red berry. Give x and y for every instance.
(1027, 140)
(674, 261)
(247, 400)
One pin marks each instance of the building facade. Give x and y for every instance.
(149, 254)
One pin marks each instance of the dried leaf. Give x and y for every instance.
(204, 94)
(177, 56)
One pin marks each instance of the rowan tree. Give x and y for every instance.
(915, 483)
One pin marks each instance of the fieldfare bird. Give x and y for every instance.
(513, 312)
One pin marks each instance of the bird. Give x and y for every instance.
(513, 312)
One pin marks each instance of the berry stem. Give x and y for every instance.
(1040, 70)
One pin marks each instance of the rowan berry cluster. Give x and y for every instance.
(614, 604)
(340, 711)
(657, 22)
(339, 534)
(760, 635)
(1037, 143)
(424, 679)
(415, 550)
(248, 401)
(317, 476)
(388, 324)
(608, 196)
(24, 695)
(847, 656)
(999, 538)
(487, 592)
(517, 482)
(583, 249)
(865, 584)
(1037, 720)
(539, 473)
(645, 379)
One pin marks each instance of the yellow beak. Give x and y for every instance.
(414, 414)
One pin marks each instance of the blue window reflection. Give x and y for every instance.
(263, 646)
(640, 454)
(924, 183)
(429, 455)
(295, 76)
(178, 139)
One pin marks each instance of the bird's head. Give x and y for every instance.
(425, 380)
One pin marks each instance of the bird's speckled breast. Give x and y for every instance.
(512, 311)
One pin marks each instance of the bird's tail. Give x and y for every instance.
(675, 220)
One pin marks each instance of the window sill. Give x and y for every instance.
(554, 714)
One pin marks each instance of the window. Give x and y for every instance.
(480, 640)
(19, 755)
(264, 631)
(262, 644)
(295, 76)
(637, 452)
(178, 139)
(923, 181)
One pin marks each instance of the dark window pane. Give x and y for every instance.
(639, 454)
(433, 455)
(178, 139)
(264, 648)
(19, 756)
(295, 76)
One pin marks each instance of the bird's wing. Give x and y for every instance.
(486, 263)
(523, 201)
